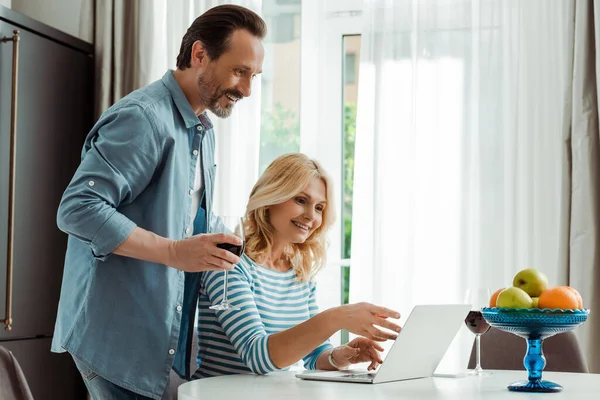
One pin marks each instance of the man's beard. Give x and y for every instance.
(210, 96)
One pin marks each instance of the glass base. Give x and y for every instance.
(535, 386)
(224, 305)
(478, 372)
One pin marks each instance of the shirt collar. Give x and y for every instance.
(183, 105)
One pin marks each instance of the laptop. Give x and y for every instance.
(416, 352)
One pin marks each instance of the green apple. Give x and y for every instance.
(513, 297)
(535, 302)
(532, 281)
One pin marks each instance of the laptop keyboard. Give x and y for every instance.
(360, 376)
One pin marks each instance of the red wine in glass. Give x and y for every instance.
(233, 248)
(232, 225)
(476, 323)
(478, 298)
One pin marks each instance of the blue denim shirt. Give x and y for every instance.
(120, 316)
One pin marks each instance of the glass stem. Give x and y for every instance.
(478, 352)
(226, 281)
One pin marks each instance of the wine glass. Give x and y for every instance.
(233, 226)
(478, 298)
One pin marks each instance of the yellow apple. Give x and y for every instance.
(532, 281)
(513, 297)
(535, 302)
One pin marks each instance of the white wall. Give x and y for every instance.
(5, 3)
(63, 15)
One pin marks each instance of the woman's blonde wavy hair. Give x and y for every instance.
(284, 178)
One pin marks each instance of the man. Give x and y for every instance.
(135, 207)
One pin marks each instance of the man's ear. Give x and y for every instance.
(199, 56)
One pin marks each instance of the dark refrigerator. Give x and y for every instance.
(53, 107)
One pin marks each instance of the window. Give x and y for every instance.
(350, 67)
(330, 60)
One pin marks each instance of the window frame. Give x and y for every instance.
(323, 27)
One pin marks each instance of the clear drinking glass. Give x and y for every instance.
(478, 298)
(234, 226)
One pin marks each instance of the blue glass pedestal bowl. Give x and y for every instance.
(534, 325)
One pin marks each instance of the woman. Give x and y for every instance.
(288, 215)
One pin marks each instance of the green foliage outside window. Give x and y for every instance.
(279, 134)
(348, 176)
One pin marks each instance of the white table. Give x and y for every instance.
(284, 385)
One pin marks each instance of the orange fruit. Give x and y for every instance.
(561, 297)
(495, 297)
(579, 298)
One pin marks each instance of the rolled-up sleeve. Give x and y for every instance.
(121, 155)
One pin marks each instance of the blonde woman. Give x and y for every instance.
(288, 215)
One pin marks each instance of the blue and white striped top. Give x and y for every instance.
(234, 342)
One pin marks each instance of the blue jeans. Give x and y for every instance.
(101, 389)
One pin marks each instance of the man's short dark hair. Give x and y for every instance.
(214, 29)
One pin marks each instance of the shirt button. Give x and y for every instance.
(195, 152)
(91, 183)
(178, 308)
(191, 192)
(199, 127)
(171, 351)
(188, 230)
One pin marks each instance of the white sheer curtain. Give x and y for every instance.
(136, 42)
(460, 164)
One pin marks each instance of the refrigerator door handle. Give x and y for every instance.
(11, 179)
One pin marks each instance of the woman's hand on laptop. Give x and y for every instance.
(357, 351)
(366, 319)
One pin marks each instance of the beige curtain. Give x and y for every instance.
(121, 40)
(583, 156)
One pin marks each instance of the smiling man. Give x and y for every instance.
(138, 210)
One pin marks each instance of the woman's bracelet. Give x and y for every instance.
(332, 362)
